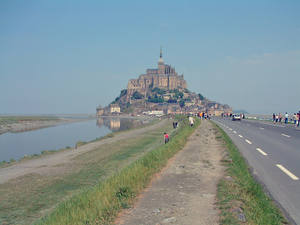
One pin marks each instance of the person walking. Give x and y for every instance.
(274, 117)
(167, 138)
(286, 118)
(280, 117)
(191, 120)
(295, 118)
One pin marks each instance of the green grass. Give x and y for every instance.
(241, 190)
(101, 204)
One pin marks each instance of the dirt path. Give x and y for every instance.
(48, 164)
(184, 192)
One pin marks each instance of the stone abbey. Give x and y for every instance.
(160, 90)
(164, 77)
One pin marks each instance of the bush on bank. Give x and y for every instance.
(101, 204)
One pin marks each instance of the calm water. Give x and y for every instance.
(16, 145)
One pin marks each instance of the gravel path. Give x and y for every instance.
(185, 191)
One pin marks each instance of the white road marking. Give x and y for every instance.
(240, 136)
(261, 151)
(285, 135)
(248, 124)
(234, 132)
(261, 128)
(230, 129)
(226, 127)
(249, 142)
(287, 172)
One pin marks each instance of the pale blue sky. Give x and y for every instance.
(70, 56)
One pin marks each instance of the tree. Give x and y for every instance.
(181, 103)
(201, 97)
(172, 100)
(137, 95)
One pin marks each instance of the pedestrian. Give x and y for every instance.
(286, 118)
(298, 118)
(295, 118)
(274, 117)
(191, 120)
(174, 125)
(280, 117)
(167, 138)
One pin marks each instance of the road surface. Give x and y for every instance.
(273, 151)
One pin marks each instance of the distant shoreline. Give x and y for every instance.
(57, 120)
(34, 125)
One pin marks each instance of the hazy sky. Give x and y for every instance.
(70, 56)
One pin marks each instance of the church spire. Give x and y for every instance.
(160, 55)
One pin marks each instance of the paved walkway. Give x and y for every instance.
(184, 192)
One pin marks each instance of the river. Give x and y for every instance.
(16, 145)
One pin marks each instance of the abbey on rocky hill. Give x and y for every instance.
(164, 77)
(160, 91)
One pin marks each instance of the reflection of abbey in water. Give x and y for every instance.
(116, 124)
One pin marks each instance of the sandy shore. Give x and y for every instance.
(34, 125)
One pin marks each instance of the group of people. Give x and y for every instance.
(279, 118)
(175, 125)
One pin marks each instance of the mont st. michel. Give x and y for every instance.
(160, 91)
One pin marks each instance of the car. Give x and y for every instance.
(236, 117)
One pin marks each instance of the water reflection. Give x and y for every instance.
(116, 124)
(16, 145)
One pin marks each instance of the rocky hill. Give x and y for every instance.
(163, 90)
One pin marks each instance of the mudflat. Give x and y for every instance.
(185, 191)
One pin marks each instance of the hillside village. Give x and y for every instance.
(161, 91)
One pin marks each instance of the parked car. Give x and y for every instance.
(236, 117)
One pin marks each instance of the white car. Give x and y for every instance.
(236, 117)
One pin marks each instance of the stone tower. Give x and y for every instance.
(161, 66)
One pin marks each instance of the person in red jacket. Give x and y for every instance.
(167, 138)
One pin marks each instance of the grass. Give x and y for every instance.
(241, 190)
(100, 204)
(30, 197)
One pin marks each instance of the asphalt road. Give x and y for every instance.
(273, 151)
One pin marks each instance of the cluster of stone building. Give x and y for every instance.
(164, 77)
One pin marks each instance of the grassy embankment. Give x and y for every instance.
(101, 204)
(27, 198)
(241, 190)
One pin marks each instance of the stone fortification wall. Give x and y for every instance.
(142, 84)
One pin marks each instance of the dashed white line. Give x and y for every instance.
(285, 135)
(261, 151)
(249, 142)
(287, 172)
(230, 129)
(234, 132)
(240, 136)
(261, 128)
